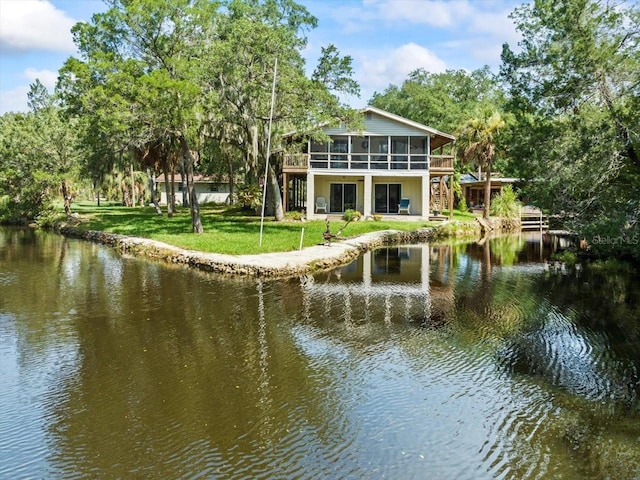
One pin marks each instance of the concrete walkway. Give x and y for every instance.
(277, 264)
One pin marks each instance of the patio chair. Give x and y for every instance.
(321, 204)
(405, 205)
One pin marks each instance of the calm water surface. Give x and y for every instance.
(426, 362)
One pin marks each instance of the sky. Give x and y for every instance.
(387, 39)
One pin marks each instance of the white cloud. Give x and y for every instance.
(434, 13)
(47, 77)
(437, 13)
(496, 25)
(381, 68)
(14, 100)
(27, 25)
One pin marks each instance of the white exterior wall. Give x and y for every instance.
(412, 187)
(205, 195)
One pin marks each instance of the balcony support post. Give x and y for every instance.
(311, 197)
(368, 194)
(426, 190)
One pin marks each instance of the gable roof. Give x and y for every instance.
(438, 138)
(406, 121)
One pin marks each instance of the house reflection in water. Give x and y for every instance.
(400, 284)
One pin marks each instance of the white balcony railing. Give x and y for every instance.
(342, 161)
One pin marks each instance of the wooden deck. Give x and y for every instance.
(532, 218)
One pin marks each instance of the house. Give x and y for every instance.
(209, 188)
(372, 170)
(472, 186)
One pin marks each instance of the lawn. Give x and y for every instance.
(227, 230)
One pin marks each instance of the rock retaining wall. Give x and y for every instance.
(279, 264)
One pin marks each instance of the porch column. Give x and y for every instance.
(367, 195)
(311, 197)
(451, 197)
(426, 190)
(285, 191)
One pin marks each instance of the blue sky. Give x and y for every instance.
(387, 39)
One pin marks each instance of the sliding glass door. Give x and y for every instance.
(387, 197)
(342, 197)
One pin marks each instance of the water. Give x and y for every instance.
(432, 361)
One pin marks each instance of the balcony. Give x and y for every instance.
(302, 162)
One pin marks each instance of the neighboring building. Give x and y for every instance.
(373, 170)
(210, 189)
(472, 187)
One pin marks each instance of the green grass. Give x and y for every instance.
(227, 230)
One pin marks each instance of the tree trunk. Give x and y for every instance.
(276, 196)
(133, 187)
(231, 177)
(66, 195)
(168, 188)
(126, 194)
(487, 191)
(196, 222)
(183, 182)
(252, 156)
(151, 175)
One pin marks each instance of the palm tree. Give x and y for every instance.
(477, 139)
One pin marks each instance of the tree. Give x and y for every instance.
(172, 76)
(441, 100)
(575, 92)
(237, 73)
(39, 156)
(477, 141)
(137, 75)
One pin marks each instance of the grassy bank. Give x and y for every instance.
(228, 230)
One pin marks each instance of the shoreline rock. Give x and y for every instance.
(268, 265)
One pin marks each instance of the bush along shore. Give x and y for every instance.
(266, 265)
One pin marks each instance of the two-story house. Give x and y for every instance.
(393, 166)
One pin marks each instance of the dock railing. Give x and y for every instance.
(532, 218)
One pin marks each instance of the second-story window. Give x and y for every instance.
(319, 155)
(399, 150)
(360, 152)
(379, 153)
(339, 152)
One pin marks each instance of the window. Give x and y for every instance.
(342, 196)
(387, 197)
(418, 145)
(419, 159)
(360, 152)
(319, 155)
(339, 151)
(399, 150)
(379, 150)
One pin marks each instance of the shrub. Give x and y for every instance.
(48, 218)
(249, 196)
(377, 217)
(294, 215)
(462, 204)
(351, 215)
(505, 204)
